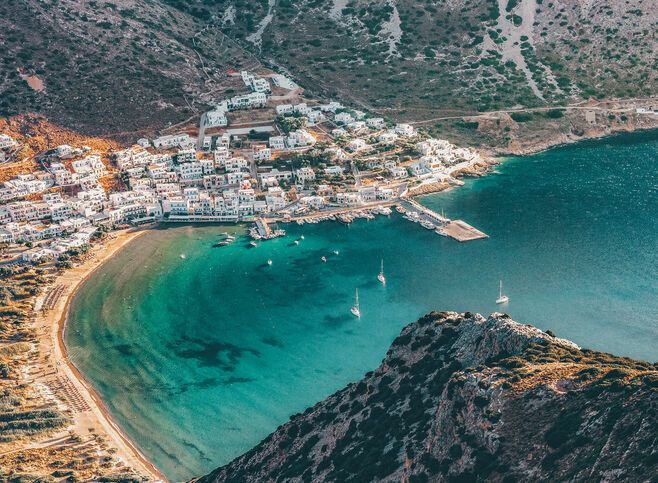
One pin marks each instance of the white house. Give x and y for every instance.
(348, 199)
(343, 118)
(255, 99)
(284, 109)
(387, 137)
(375, 123)
(334, 170)
(6, 141)
(302, 109)
(300, 138)
(404, 129)
(173, 141)
(305, 174)
(276, 174)
(315, 117)
(398, 172)
(277, 142)
(333, 106)
(186, 156)
(315, 202)
(262, 153)
(356, 126)
(216, 118)
(356, 145)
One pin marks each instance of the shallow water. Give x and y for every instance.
(200, 358)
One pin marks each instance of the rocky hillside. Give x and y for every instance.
(111, 66)
(463, 398)
(414, 58)
(120, 66)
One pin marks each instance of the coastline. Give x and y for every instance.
(89, 413)
(52, 325)
(525, 147)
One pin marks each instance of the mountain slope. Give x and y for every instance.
(419, 57)
(461, 398)
(111, 66)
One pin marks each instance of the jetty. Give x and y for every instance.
(462, 231)
(262, 231)
(457, 229)
(263, 228)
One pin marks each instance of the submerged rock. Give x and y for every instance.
(462, 398)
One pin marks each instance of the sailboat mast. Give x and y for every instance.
(500, 291)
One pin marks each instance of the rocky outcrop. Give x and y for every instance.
(462, 398)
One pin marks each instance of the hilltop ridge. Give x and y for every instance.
(462, 398)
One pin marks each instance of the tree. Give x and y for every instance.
(289, 124)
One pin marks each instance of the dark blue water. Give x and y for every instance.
(200, 358)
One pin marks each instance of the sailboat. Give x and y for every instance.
(502, 299)
(381, 276)
(355, 310)
(269, 262)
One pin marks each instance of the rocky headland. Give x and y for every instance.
(460, 397)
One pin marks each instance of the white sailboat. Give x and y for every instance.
(269, 262)
(502, 299)
(355, 310)
(381, 276)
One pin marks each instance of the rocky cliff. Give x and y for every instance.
(462, 398)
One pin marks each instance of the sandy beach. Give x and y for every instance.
(54, 374)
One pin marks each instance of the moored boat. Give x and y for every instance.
(502, 299)
(381, 277)
(356, 310)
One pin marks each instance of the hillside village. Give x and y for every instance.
(254, 156)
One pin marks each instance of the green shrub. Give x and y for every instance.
(554, 114)
(521, 116)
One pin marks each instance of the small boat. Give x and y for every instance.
(253, 244)
(296, 242)
(381, 276)
(324, 259)
(336, 252)
(356, 311)
(182, 255)
(399, 209)
(222, 243)
(427, 225)
(502, 299)
(269, 262)
(301, 237)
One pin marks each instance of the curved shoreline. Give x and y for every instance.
(51, 327)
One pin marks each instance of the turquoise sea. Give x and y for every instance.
(199, 358)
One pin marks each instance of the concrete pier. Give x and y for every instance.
(462, 231)
(457, 229)
(263, 228)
